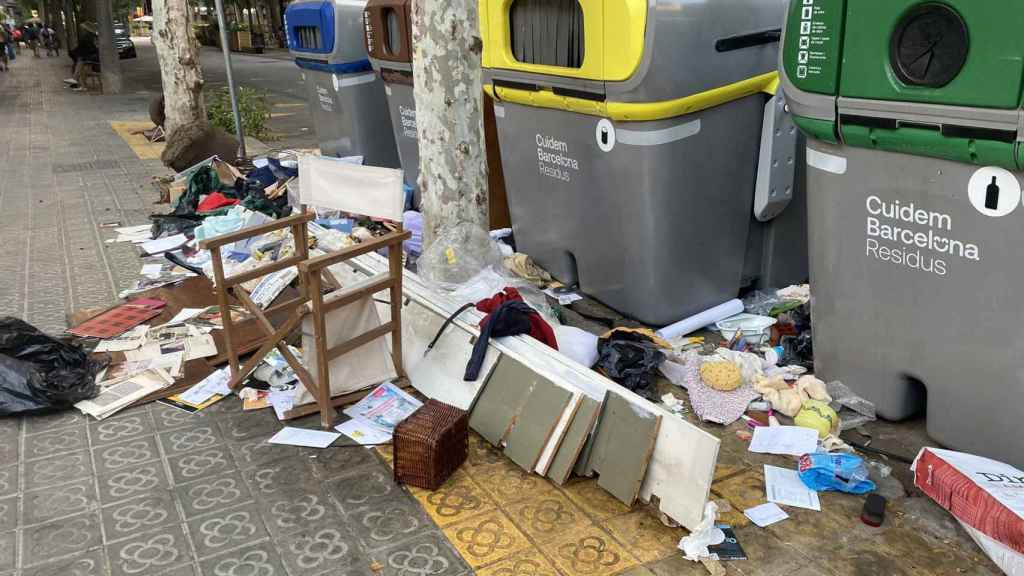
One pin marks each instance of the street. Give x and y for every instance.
(274, 73)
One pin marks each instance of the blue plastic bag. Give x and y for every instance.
(824, 472)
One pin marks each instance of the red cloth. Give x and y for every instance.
(215, 201)
(539, 329)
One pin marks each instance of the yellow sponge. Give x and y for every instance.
(723, 376)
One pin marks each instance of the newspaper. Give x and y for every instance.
(385, 407)
(170, 363)
(130, 340)
(271, 286)
(122, 393)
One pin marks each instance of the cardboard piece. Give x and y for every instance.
(536, 421)
(501, 400)
(576, 436)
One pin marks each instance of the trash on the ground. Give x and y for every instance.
(818, 416)
(701, 319)
(524, 267)
(577, 344)
(986, 496)
(835, 472)
(363, 432)
(790, 440)
(173, 364)
(129, 340)
(39, 373)
(384, 407)
(675, 405)
(213, 385)
(565, 296)
(873, 513)
(723, 376)
(695, 545)
(853, 410)
(165, 244)
(766, 514)
(729, 549)
(784, 486)
(783, 398)
(798, 292)
(118, 320)
(291, 436)
(708, 404)
(813, 388)
(744, 435)
(134, 234)
(631, 357)
(754, 330)
(507, 315)
(115, 395)
(457, 255)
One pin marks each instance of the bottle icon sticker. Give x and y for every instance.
(994, 191)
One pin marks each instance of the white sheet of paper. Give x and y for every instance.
(783, 486)
(302, 437)
(184, 315)
(213, 384)
(147, 352)
(793, 440)
(766, 514)
(152, 270)
(161, 245)
(363, 432)
(200, 346)
(134, 230)
(281, 401)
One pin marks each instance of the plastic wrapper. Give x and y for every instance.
(630, 359)
(695, 546)
(835, 472)
(457, 255)
(39, 373)
(853, 410)
(577, 344)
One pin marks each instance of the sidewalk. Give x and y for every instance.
(65, 172)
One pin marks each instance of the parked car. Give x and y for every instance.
(123, 42)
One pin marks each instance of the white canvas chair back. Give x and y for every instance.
(340, 185)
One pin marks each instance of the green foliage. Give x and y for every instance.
(252, 105)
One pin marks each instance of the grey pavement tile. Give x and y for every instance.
(149, 553)
(91, 563)
(280, 477)
(260, 424)
(320, 547)
(8, 513)
(186, 570)
(427, 554)
(258, 452)
(212, 494)
(364, 488)
(59, 538)
(128, 518)
(226, 529)
(9, 480)
(200, 464)
(289, 512)
(190, 439)
(10, 426)
(131, 482)
(8, 551)
(388, 523)
(167, 417)
(119, 428)
(58, 469)
(55, 442)
(9, 449)
(46, 504)
(124, 454)
(259, 560)
(338, 461)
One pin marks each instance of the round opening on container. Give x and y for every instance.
(929, 46)
(393, 29)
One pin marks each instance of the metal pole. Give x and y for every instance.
(231, 81)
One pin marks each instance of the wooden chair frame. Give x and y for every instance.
(309, 301)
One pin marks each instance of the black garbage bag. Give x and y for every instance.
(39, 373)
(631, 359)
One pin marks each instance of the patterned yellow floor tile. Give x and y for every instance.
(742, 491)
(644, 535)
(589, 553)
(457, 499)
(387, 453)
(548, 516)
(481, 453)
(529, 562)
(486, 538)
(594, 499)
(507, 483)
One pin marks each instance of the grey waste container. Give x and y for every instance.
(346, 99)
(913, 115)
(631, 134)
(389, 45)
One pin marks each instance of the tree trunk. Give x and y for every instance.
(449, 115)
(178, 53)
(70, 25)
(110, 63)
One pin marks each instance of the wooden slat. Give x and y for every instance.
(622, 448)
(535, 422)
(332, 258)
(361, 340)
(262, 270)
(349, 294)
(572, 443)
(253, 231)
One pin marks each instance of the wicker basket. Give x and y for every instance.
(430, 445)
